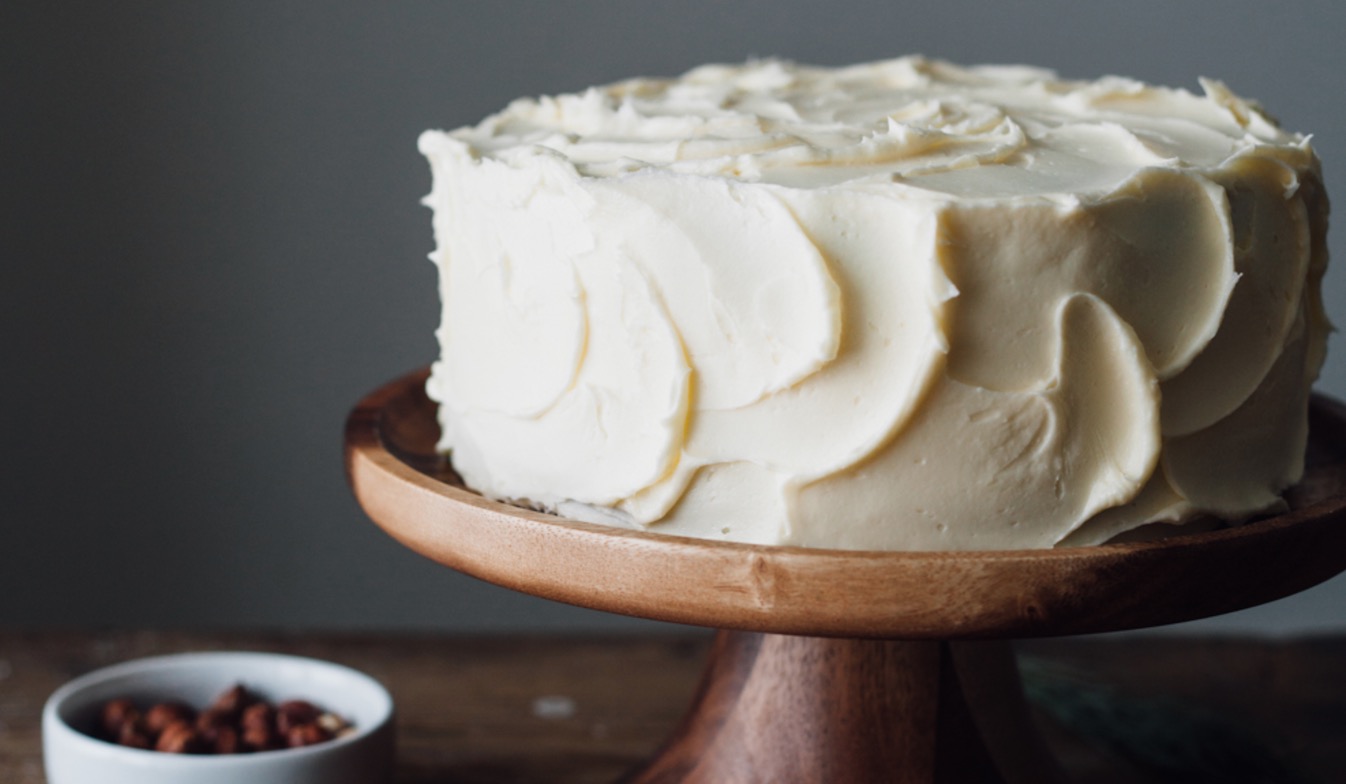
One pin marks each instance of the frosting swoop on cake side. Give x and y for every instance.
(900, 305)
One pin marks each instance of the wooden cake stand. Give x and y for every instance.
(846, 666)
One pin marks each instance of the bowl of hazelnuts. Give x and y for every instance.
(219, 718)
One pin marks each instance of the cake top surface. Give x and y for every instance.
(980, 131)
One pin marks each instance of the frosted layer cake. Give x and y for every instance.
(898, 305)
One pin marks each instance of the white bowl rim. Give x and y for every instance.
(52, 721)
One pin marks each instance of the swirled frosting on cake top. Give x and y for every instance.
(900, 305)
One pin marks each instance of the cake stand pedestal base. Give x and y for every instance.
(780, 709)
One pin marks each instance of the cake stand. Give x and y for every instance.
(846, 666)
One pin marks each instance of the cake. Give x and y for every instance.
(904, 305)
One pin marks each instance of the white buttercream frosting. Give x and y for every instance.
(899, 305)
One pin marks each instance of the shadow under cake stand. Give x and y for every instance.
(846, 666)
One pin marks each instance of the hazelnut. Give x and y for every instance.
(133, 734)
(117, 713)
(293, 713)
(260, 739)
(210, 723)
(180, 738)
(211, 719)
(306, 735)
(258, 715)
(259, 728)
(233, 701)
(166, 713)
(333, 724)
(226, 741)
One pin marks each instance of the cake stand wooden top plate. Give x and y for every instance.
(413, 494)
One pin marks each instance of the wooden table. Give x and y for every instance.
(567, 710)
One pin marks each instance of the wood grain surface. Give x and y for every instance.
(471, 710)
(412, 493)
(777, 708)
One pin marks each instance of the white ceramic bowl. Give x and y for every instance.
(362, 757)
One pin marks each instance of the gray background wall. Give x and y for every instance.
(211, 246)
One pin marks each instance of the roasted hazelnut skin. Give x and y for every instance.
(306, 735)
(160, 716)
(226, 741)
(133, 734)
(258, 728)
(212, 722)
(233, 701)
(258, 715)
(294, 713)
(181, 738)
(117, 713)
(213, 718)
